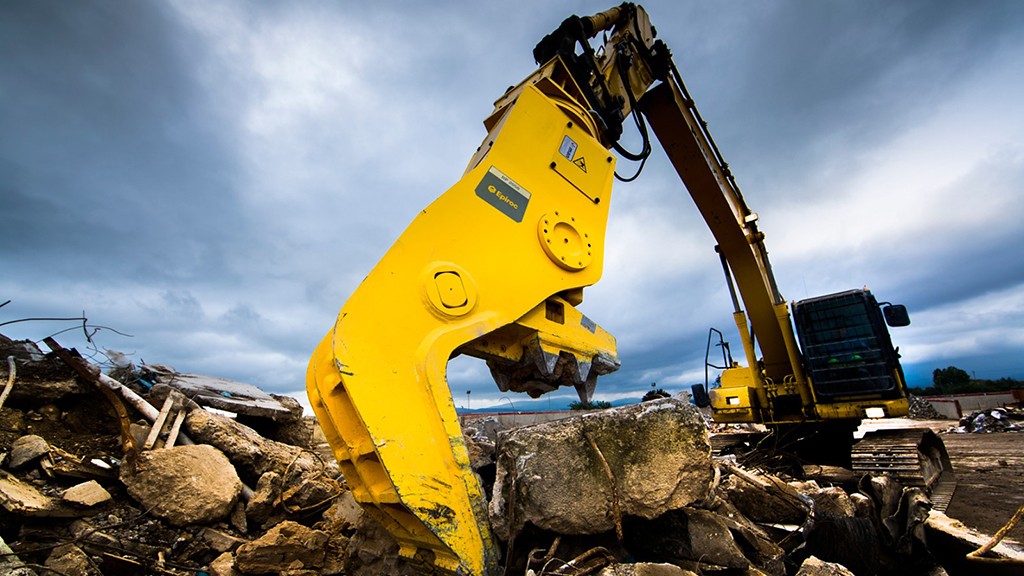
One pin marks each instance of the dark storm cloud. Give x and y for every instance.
(107, 150)
(806, 83)
(954, 247)
(970, 269)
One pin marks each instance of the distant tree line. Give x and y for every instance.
(595, 405)
(953, 380)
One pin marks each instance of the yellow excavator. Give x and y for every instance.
(495, 269)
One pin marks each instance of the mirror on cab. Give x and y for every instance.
(896, 315)
(700, 396)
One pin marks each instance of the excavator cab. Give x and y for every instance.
(846, 347)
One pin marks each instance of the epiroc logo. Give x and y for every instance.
(494, 190)
(503, 193)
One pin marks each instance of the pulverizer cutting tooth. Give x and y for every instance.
(501, 377)
(586, 390)
(582, 370)
(546, 361)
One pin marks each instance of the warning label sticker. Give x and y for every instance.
(568, 148)
(503, 193)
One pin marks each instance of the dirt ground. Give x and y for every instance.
(990, 475)
(990, 480)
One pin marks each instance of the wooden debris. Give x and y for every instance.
(12, 371)
(113, 390)
(158, 424)
(67, 465)
(172, 436)
(952, 542)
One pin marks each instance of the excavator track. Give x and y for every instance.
(913, 456)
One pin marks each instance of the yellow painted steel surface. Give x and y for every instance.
(518, 229)
(857, 410)
(734, 403)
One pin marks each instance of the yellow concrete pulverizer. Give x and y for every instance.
(492, 269)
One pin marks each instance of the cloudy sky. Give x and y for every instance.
(215, 178)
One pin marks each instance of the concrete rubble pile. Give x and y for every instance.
(992, 420)
(88, 487)
(639, 483)
(922, 409)
(82, 494)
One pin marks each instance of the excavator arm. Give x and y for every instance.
(684, 136)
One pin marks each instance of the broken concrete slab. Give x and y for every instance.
(200, 471)
(221, 541)
(22, 499)
(644, 569)
(486, 427)
(829, 502)
(815, 567)
(580, 475)
(70, 559)
(308, 491)
(779, 505)
(223, 394)
(87, 494)
(224, 565)
(684, 536)
(830, 475)
(297, 431)
(251, 453)
(711, 540)
(344, 514)
(481, 453)
(373, 551)
(863, 505)
(287, 546)
(262, 508)
(757, 545)
(26, 450)
(237, 517)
